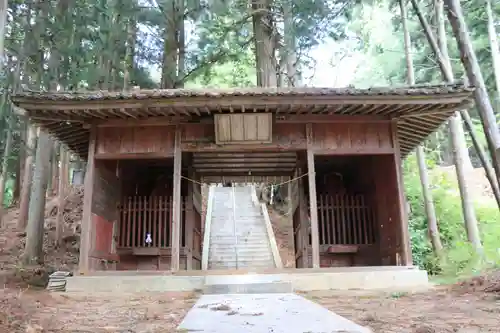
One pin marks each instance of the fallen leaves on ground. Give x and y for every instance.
(436, 311)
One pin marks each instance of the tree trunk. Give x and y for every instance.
(48, 194)
(495, 51)
(457, 126)
(460, 154)
(488, 169)
(290, 47)
(33, 253)
(448, 75)
(263, 28)
(5, 163)
(170, 55)
(422, 167)
(129, 52)
(16, 191)
(62, 186)
(4, 6)
(470, 220)
(55, 168)
(469, 60)
(27, 177)
(181, 45)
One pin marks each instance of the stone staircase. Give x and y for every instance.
(238, 238)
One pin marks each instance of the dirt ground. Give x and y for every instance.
(65, 257)
(439, 311)
(40, 311)
(283, 232)
(470, 307)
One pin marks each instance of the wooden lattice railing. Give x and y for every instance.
(140, 215)
(345, 219)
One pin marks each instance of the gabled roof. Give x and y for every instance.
(420, 109)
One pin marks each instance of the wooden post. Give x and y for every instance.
(313, 207)
(403, 209)
(189, 229)
(86, 239)
(304, 227)
(176, 206)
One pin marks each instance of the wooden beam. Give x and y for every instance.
(329, 118)
(355, 151)
(199, 147)
(151, 121)
(312, 197)
(86, 227)
(135, 156)
(245, 166)
(257, 173)
(244, 179)
(403, 211)
(245, 156)
(246, 160)
(176, 205)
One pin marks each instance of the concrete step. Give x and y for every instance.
(258, 244)
(246, 278)
(251, 246)
(255, 217)
(243, 263)
(224, 233)
(238, 222)
(240, 205)
(240, 249)
(254, 247)
(240, 226)
(243, 259)
(232, 233)
(251, 288)
(232, 266)
(241, 256)
(238, 239)
(257, 222)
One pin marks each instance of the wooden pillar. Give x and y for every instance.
(176, 205)
(312, 197)
(87, 226)
(406, 254)
(304, 226)
(190, 216)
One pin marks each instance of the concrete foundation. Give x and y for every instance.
(285, 280)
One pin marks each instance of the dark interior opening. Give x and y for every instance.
(346, 214)
(146, 204)
(347, 210)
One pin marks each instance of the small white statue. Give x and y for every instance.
(149, 240)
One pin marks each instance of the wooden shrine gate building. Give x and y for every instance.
(147, 151)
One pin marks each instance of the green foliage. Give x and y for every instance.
(458, 258)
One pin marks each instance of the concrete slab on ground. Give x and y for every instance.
(134, 284)
(277, 313)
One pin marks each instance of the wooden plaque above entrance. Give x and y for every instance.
(240, 128)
